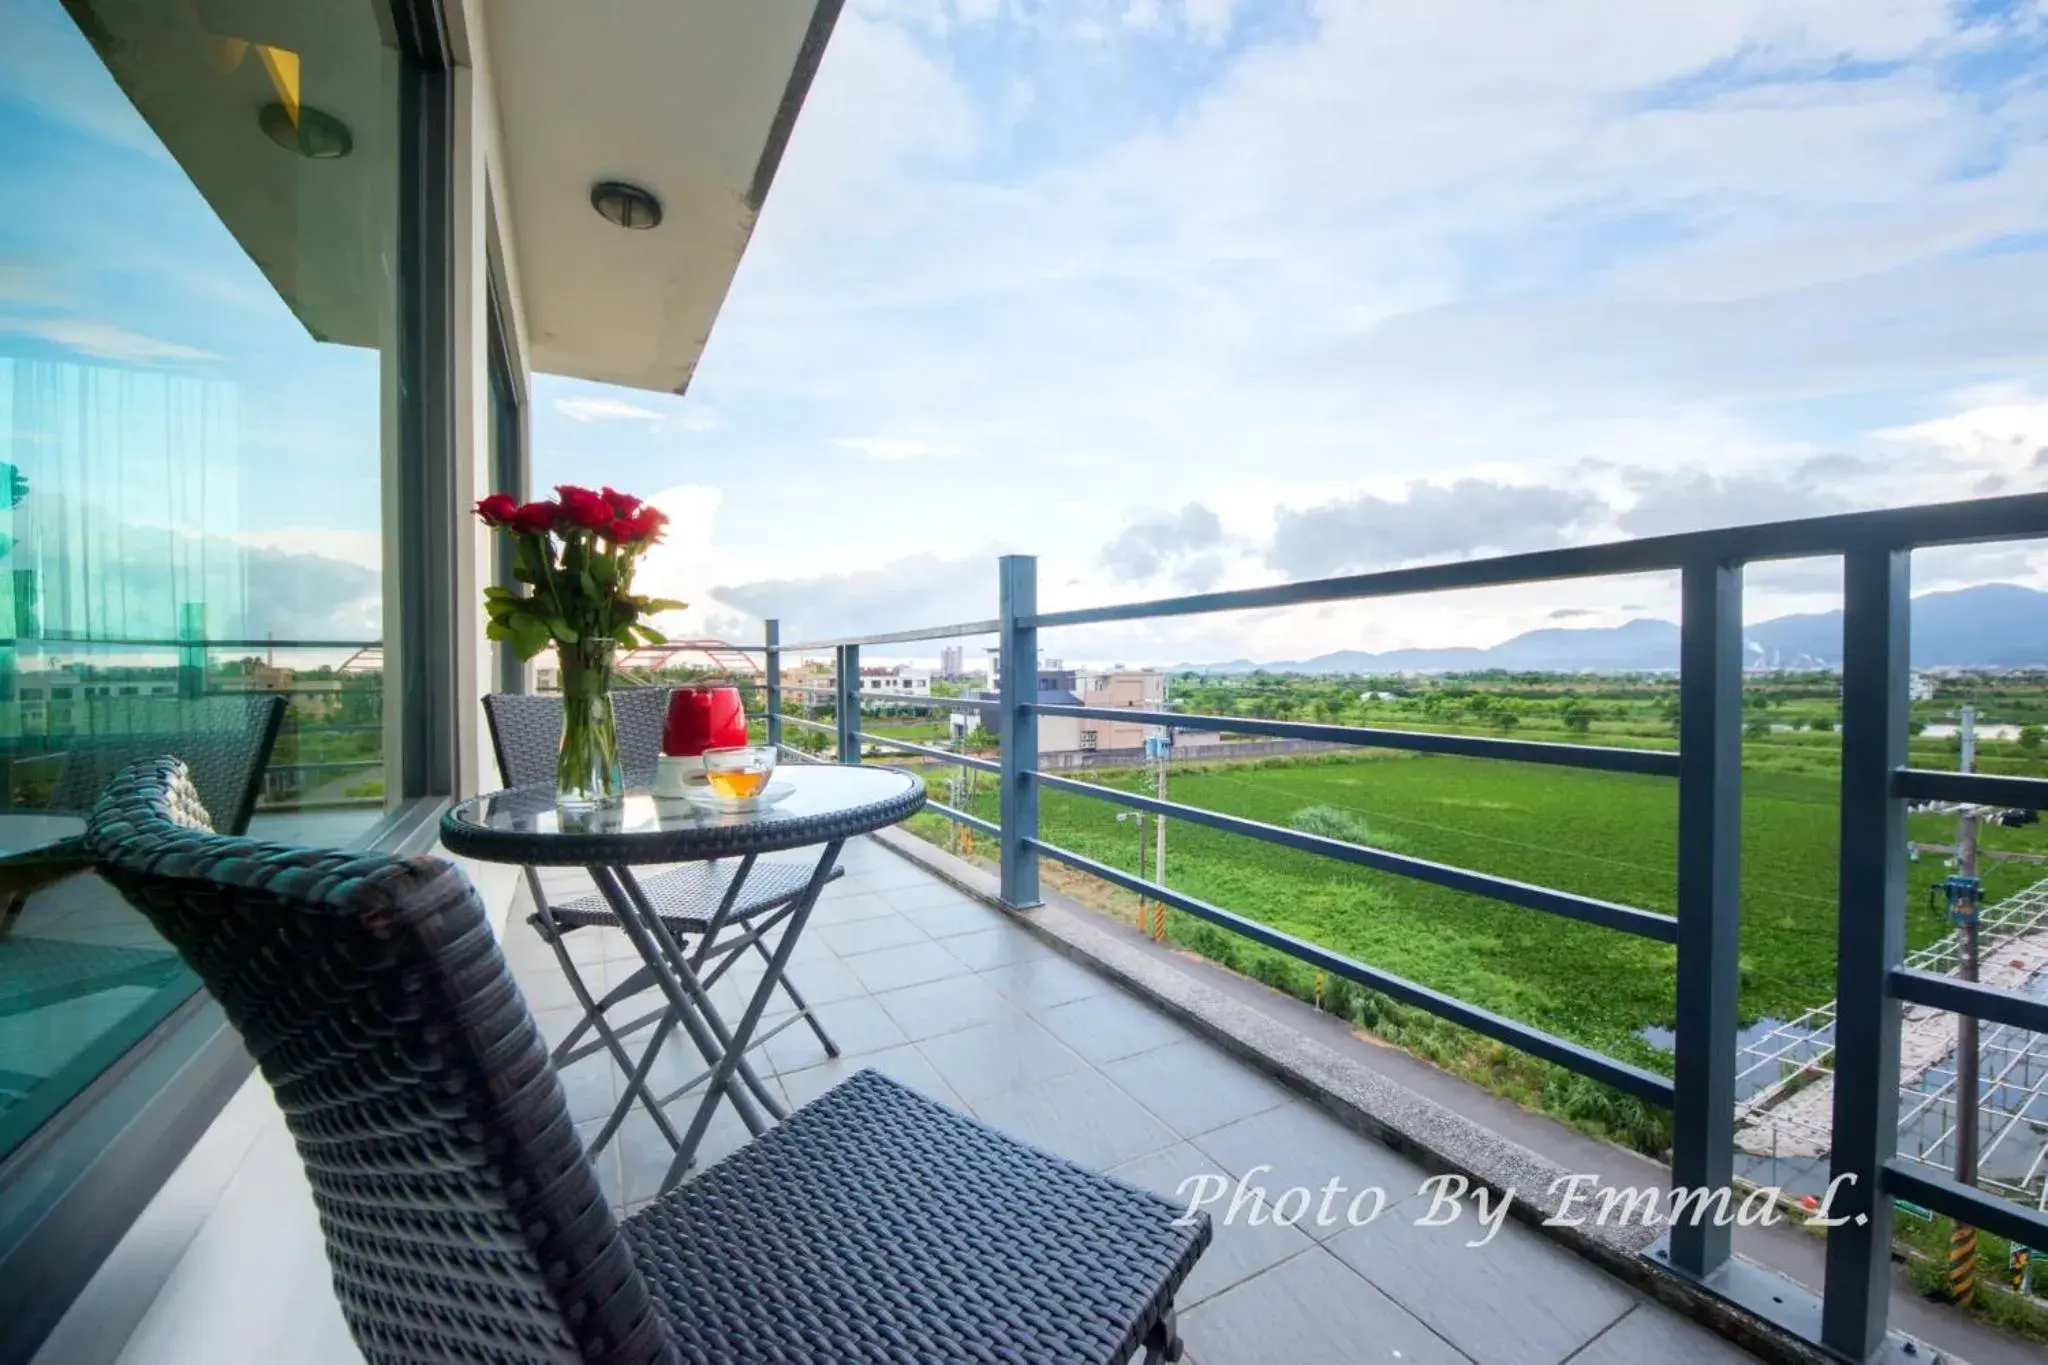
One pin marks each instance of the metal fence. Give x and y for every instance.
(1873, 979)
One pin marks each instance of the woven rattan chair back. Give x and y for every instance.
(225, 743)
(526, 731)
(462, 1219)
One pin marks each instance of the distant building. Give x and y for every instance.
(895, 680)
(1920, 687)
(952, 661)
(1133, 690)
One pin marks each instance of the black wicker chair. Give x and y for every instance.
(224, 741)
(526, 734)
(462, 1218)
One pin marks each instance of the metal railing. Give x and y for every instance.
(1876, 784)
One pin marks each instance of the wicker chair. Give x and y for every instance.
(463, 1220)
(526, 734)
(224, 741)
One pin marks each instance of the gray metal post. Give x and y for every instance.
(772, 638)
(1709, 899)
(1017, 725)
(1870, 940)
(846, 703)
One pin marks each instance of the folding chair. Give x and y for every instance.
(725, 909)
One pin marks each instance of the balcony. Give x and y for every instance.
(939, 989)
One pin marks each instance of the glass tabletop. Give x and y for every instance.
(817, 802)
(29, 831)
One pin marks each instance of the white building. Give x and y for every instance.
(1920, 687)
(900, 680)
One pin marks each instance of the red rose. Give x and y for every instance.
(497, 509)
(535, 518)
(642, 528)
(623, 504)
(584, 509)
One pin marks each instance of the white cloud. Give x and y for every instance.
(104, 340)
(601, 409)
(888, 447)
(1656, 257)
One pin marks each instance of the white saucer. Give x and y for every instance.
(773, 794)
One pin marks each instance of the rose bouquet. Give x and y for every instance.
(575, 556)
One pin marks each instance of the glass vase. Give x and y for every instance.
(588, 774)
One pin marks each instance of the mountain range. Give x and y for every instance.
(1994, 625)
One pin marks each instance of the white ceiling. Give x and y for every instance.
(678, 96)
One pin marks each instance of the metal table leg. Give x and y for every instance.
(707, 1011)
(684, 996)
(735, 1057)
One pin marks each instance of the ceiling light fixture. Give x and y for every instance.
(306, 131)
(627, 205)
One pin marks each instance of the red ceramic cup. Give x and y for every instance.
(703, 716)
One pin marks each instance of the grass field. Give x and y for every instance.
(1607, 835)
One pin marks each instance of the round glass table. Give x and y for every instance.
(36, 849)
(823, 805)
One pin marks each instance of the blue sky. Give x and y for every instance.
(1360, 284)
(1190, 293)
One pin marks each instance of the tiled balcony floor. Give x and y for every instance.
(921, 982)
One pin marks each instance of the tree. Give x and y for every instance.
(1578, 717)
(1505, 721)
(2030, 738)
(1757, 727)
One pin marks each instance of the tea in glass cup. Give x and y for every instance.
(738, 774)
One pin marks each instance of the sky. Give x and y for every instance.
(1191, 294)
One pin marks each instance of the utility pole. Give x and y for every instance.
(1964, 893)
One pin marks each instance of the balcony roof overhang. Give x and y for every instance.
(692, 100)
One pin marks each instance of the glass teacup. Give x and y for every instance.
(739, 773)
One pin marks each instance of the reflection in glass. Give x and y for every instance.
(194, 317)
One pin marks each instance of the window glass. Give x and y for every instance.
(197, 209)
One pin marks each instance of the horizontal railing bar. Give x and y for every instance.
(1607, 914)
(890, 699)
(62, 638)
(961, 817)
(2001, 1217)
(1968, 997)
(2023, 516)
(810, 724)
(964, 760)
(901, 637)
(800, 756)
(1646, 1085)
(1660, 762)
(1984, 789)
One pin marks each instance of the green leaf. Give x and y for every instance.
(563, 631)
(497, 630)
(650, 635)
(529, 638)
(651, 605)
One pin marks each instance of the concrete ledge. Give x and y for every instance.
(1426, 1132)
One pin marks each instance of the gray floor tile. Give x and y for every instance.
(1046, 982)
(644, 1155)
(555, 1024)
(1541, 1302)
(1306, 1148)
(1081, 1117)
(946, 1006)
(846, 909)
(929, 891)
(548, 989)
(821, 980)
(910, 965)
(859, 1026)
(948, 918)
(1010, 1054)
(1241, 1245)
(1311, 1310)
(1000, 946)
(591, 1087)
(1194, 1087)
(1651, 1333)
(867, 935)
(893, 873)
(1105, 1028)
(905, 1064)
